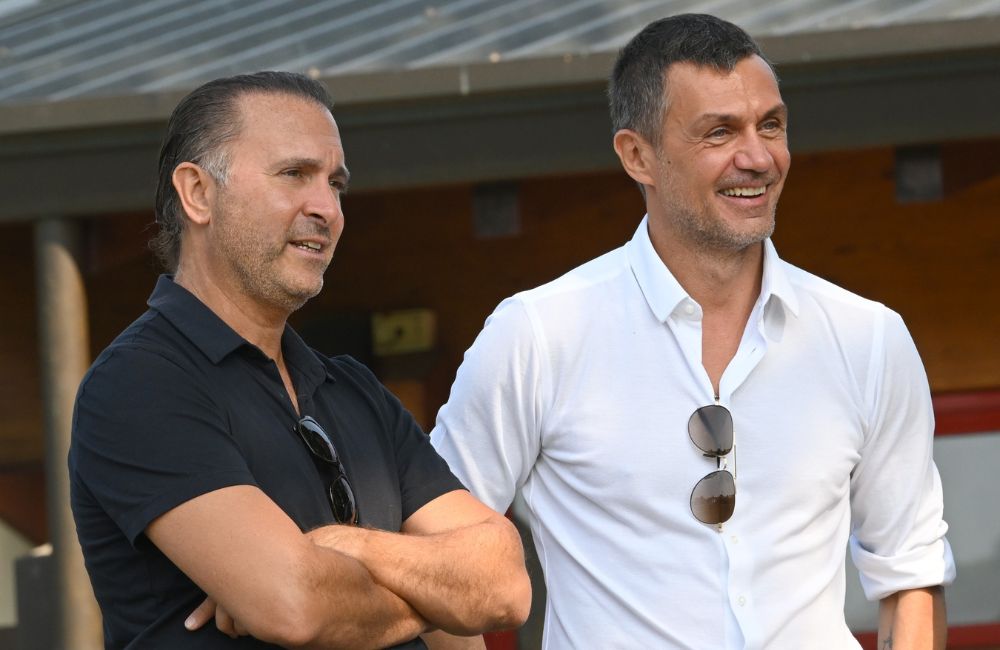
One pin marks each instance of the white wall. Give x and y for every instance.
(12, 546)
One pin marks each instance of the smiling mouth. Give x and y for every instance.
(311, 246)
(744, 192)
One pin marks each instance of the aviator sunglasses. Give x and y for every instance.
(713, 498)
(345, 508)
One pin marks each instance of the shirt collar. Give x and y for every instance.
(216, 339)
(664, 293)
(194, 319)
(662, 290)
(776, 282)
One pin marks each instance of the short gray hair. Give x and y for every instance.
(636, 90)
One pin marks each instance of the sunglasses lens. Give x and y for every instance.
(315, 438)
(711, 430)
(345, 510)
(714, 498)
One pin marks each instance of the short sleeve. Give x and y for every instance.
(147, 437)
(423, 475)
(898, 531)
(489, 430)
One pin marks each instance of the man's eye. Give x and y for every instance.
(292, 173)
(718, 133)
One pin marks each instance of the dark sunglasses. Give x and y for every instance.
(345, 507)
(713, 498)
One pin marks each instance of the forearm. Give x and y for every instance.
(913, 620)
(439, 640)
(280, 587)
(464, 581)
(343, 607)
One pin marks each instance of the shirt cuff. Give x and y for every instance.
(925, 566)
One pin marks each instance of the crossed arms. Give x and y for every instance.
(457, 567)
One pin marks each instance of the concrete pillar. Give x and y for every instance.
(65, 356)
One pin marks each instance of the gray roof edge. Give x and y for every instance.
(517, 75)
(925, 38)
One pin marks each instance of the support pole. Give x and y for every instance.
(65, 356)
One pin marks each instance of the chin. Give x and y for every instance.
(292, 296)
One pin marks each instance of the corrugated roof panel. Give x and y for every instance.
(174, 51)
(64, 49)
(489, 38)
(616, 27)
(380, 43)
(452, 30)
(59, 66)
(973, 9)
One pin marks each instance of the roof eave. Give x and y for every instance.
(522, 75)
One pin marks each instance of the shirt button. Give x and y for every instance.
(689, 309)
(736, 540)
(741, 601)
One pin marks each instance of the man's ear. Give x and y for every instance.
(637, 155)
(196, 190)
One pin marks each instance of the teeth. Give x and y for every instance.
(744, 191)
(308, 245)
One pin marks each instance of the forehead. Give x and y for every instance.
(280, 125)
(693, 90)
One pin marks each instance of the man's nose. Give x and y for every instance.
(322, 201)
(753, 154)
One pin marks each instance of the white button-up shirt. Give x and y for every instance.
(579, 393)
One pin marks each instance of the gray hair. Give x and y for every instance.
(636, 89)
(199, 130)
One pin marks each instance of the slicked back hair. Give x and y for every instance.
(637, 91)
(199, 131)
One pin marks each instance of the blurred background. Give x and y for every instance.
(480, 149)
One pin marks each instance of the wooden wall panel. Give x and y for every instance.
(419, 249)
(936, 263)
(20, 381)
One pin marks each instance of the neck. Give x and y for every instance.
(719, 280)
(262, 325)
(726, 283)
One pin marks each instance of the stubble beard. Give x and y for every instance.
(707, 231)
(254, 261)
(702, 225)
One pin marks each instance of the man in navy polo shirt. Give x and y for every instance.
(215, 455)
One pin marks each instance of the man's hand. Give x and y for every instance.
(299, 594)
(458, 563)
(443, 641)
(208, 610)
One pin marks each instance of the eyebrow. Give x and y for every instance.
(313, 163)
(778, 110)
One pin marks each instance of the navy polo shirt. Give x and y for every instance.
(180, 405)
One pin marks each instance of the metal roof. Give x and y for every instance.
(57, 50)
(484, 90)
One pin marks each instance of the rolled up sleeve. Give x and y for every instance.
(898, 530)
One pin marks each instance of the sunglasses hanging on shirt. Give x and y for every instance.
(713, 498)
(340, 492)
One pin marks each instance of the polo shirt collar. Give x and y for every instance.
(216, 339)
(664, 293)
(194, 319)
(300, 356)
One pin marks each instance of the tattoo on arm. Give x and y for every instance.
(887, 644)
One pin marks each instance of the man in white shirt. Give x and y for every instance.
(698, 428)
